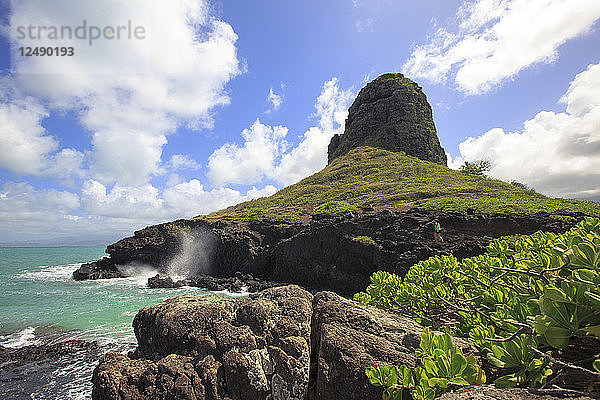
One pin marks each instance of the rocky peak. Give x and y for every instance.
(392, 113)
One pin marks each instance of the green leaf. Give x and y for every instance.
(459, 363)
(596, 365)
(459, 381)
(594, 330)
(593, 298)
(558, 337)
(374, 376)
(555, 294)
(406, 376)
(430, 366)
(541, 324)
(506, 381)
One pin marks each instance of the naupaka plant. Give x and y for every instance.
(442, 366)
(530, 304)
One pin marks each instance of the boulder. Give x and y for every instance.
(348, 337)
(212, 347)
(392, 113)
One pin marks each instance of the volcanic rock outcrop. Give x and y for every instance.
(280, 344)
(392, 113)
(328, 253)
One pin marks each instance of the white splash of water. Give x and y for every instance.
(139, 272)
(16, 340)
(196, 249)
(51, 273)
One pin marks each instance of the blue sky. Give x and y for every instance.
(224, 101)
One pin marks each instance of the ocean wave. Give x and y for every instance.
(16, 340)
(51, 273)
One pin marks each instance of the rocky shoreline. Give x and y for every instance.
(281, 343)
(336, 252)
(31, 369)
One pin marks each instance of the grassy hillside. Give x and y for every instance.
(383, 179)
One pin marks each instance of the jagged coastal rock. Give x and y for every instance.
(331, 252)
(392, 113)
(280, 344)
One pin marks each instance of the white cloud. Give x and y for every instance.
(135, 202)
(275, 100)
(496, 39)
(146, 203)
(24, 143)
(263, 154)
(131, 94)
(310, 155)
(25, 146)
(556, 153)
(181, 162)
(192, 199)
(251, 162)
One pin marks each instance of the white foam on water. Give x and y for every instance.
(243, 293)
(23, 338)
(138, 272)
(51, 273)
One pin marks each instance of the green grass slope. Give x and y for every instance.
(368, 176)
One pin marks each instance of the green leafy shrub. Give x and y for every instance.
(524, 304)
(443, 366)
(332, 207)
(476, 168)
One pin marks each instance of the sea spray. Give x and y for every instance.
(140, 272)
(195, 253)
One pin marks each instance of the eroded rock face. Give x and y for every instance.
(392, 113)
(280, 344)
(211, 347)
(321, 255)
(348, 337)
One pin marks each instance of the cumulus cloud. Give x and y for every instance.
(264, 153)
(558, 154)
(310, 155)
(27, 212)
(275, 100)
(181, 162)
(131, 94)
(101, 212)
(252, 161)
(496, 39)
(147, 203)
(25, 146)
(24, 143)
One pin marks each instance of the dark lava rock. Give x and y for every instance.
(348, 337)
(321, 255)
(160, 281)
(236, 284)
(104, 268)
(44, 370)
(11, 358)
(281, 343)
(392, 113)
(487, 392)
(212, 347)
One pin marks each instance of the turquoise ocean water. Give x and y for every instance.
(41, 303)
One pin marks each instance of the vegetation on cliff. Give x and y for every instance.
(530, 304)
(368, 176)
